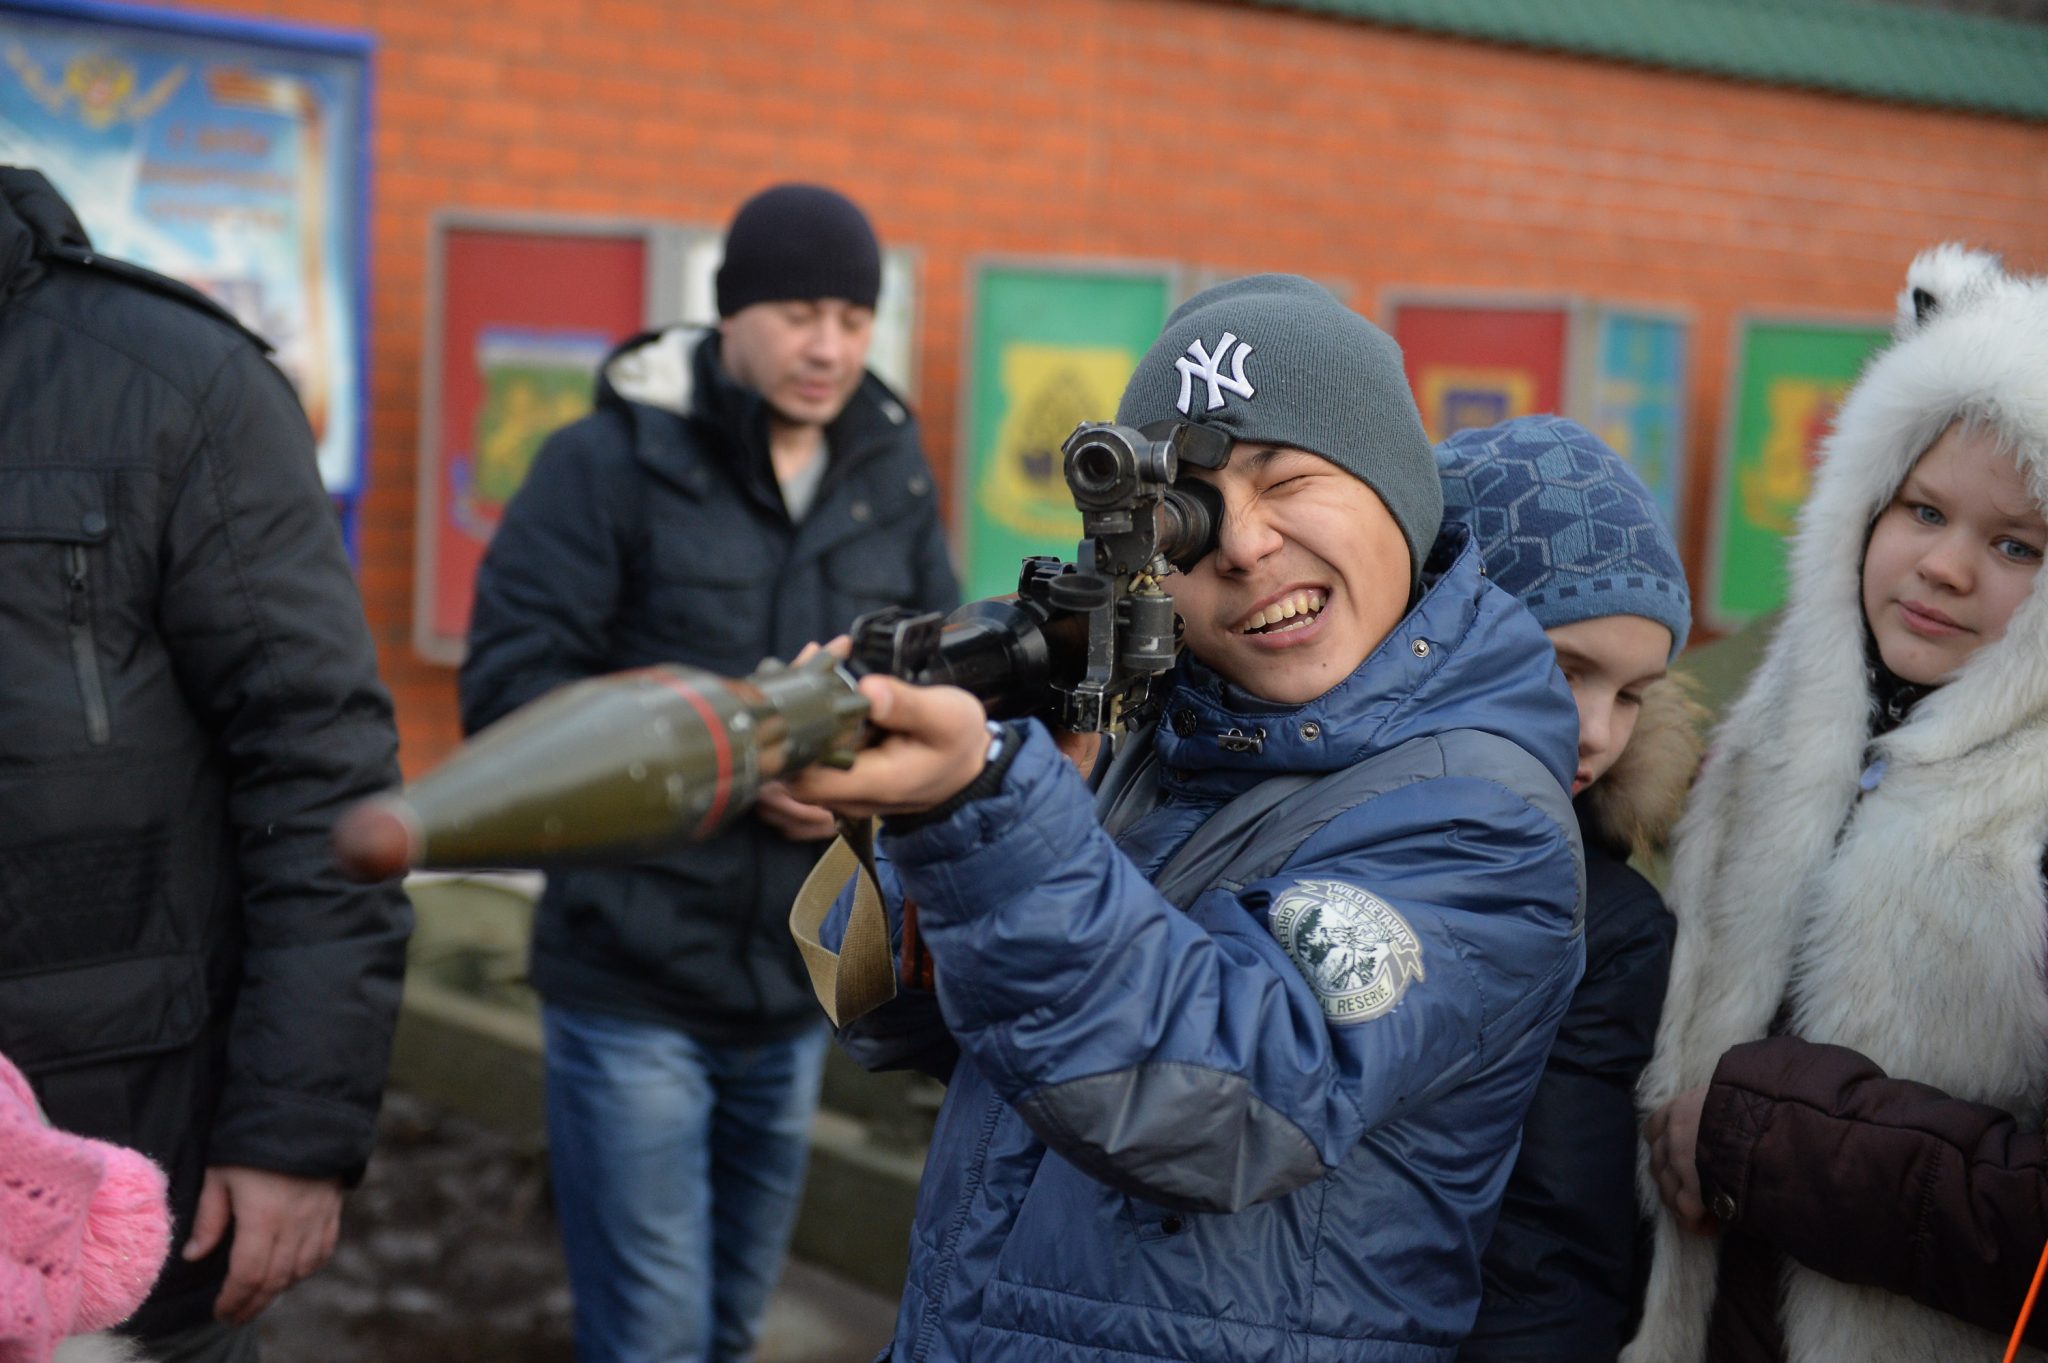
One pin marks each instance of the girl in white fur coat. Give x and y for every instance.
(1861, 868)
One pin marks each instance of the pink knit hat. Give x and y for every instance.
(84, 1229)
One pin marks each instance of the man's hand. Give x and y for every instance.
(791, 817)
(934, 742)
(1080, 749)
(1673, 1132)
(285, 1228)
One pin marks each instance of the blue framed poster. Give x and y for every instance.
(224, 153)
(1637, 398)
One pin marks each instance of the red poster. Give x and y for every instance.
(1477, 364)
(525, 318)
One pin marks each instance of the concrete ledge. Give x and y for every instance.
(479, 1059)
(480, 1055)
(858, 1202)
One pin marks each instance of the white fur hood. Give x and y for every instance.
(1972, 339)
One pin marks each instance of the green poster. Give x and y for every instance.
(1789, 378)
(1052, 348)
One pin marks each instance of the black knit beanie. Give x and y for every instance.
(799, 241)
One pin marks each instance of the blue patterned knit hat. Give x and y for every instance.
(1565, 524)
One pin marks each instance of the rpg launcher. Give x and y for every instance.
(632, 763)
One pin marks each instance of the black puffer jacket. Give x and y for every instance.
(653, 531)
(188, 697)
(1564, 1270)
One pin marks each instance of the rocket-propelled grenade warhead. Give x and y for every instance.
(636, 762)
(619, 765)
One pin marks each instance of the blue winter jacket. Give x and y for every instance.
(1160, 1140)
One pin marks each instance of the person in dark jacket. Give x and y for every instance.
(1860, 867)
(191, 699)
(732, 496)
(1230, 1080)
(1566, 526)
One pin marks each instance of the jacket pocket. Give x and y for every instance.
(710, 598)
(91, 897)
(112, 1010)
(52, 524)
(85, 649)
(1080, 1240)
(872, 574)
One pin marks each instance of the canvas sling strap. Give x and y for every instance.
(861, 976)
(1244, 841)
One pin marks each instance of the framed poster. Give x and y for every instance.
(1049, 346)
(226, 153)
(1477, 361)
(1788, 377)
(690, 261)
(1633, 370)
(520, 314)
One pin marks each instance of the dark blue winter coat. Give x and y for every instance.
(1161, 1140)
(652, 531)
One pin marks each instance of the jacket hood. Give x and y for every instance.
(32, 215)
(1972, 341)
(654, 368)
(665, 369)
(1468, 656)
(1634, 807)
(677, 370)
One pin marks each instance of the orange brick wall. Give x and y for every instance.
(1212, 134)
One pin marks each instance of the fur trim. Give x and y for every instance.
(1943, 277)
(658, 372)
(1906, 922)
(98, 1349)
(1639, 800)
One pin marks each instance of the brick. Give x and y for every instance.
(453, 70)
(1081, 127)
(641, 17)
(415, 25)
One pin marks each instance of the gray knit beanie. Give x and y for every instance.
(1276, 359)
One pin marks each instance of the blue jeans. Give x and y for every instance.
(677, 1168)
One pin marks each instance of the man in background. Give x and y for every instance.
(733, 495)
(188, 699)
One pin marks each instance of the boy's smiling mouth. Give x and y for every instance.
(1293, 610)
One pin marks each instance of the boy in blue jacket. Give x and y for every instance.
(1267, 1117)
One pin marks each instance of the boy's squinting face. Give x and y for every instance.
(1309, 573)
(1609, 661)
(1952, 557)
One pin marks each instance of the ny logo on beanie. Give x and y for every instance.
(1207, 366)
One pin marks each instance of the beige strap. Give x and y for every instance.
(861, 976)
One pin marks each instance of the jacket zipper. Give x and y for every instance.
(85, 654)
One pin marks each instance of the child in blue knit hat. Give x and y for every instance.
(1566, 526)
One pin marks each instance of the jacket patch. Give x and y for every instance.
(1356, 953)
